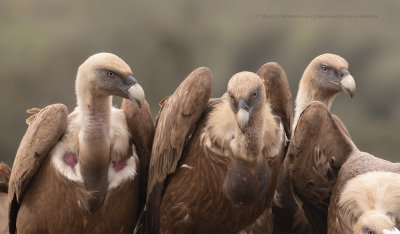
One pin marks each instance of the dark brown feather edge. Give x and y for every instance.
(174, 125)
(40, 137)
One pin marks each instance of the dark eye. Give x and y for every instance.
(324, 68)
(254, 94)
(370, 231)
(110, 74)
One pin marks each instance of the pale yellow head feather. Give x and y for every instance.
(87, 76)
(242, 84)
(373, 191)
(223, 120)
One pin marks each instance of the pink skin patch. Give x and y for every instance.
(70, 159)
(119, 165)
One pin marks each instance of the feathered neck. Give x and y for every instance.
(308, 93)
(94, 143)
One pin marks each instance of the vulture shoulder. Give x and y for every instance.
(316, 152)
(278, 93)
(175, 123)
(341, 125)
(42, 134)
(141, 128)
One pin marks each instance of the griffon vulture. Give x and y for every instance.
(79, 173)
(215, 163)
(4, 178)
(305, 187)
(278, 92)
(366, 197)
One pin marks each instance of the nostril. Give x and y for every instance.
(130, 81)
(343, 72)
(246, 108)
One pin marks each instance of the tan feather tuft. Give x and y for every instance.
(163, 101)
(34, 111)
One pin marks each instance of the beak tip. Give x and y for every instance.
(136, 94)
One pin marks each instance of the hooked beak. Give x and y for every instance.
(134, 90)
(348, 84)
(242, 114)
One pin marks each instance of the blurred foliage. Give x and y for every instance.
(43, 42)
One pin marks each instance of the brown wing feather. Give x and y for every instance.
(141, 127)
(341, 126)
(4, 178)
(5, 173)
(316, 152)
(176, 121)
(278, 93)
(43, 132)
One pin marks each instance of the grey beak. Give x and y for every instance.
(134, 90)
(242, 114)
(242, 104)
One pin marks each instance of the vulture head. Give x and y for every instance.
(247, 97)
(329, 74)
(370, 203)
(105, 74)
(324, 77)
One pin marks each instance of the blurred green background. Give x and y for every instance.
(42, 43)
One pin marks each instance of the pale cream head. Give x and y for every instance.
(246, 93)
(329, 74)
(105, 74)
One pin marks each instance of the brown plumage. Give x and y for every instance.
(361, 191)
(80, 173)
(322, 80)
(317, 150)
(366, 196)
(4, 178)
(214, 164)
(141, 129)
